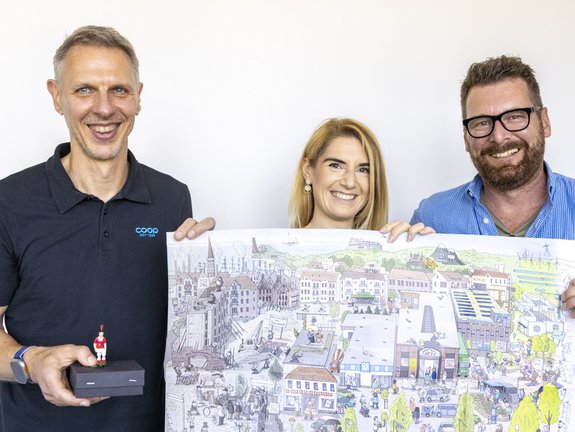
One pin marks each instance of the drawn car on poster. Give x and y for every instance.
(446, 427)
(437, 394)
(326, 424)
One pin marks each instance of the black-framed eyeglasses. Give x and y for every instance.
(514, 120)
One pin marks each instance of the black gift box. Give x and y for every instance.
(118, 378)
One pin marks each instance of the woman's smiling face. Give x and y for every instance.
(340, 183)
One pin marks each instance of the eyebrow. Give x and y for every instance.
(330, 159)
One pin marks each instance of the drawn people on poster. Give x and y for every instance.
(309, 410)
(421, 393)
(416, 414)
(238, 410)
(221, 414)
(374, 401)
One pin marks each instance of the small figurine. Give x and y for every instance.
(100, 347)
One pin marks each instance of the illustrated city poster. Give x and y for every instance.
(341, 331)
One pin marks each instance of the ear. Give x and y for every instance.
(466, 139)
(306, 170)
(52, 86)
(140, 88)
(546, 123)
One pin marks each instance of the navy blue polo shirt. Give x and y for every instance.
(70, 262)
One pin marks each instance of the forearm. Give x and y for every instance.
(8, 346)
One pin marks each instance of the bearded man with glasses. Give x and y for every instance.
(515, 193)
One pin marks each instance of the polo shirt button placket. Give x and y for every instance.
(106, 232)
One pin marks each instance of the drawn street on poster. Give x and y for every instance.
(317, 330)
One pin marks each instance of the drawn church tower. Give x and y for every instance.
(211, 261)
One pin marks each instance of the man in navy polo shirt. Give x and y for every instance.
(515, 193)
(82, 242)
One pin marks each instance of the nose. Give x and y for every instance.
(348, 178)
(103, 105)
(499, 133)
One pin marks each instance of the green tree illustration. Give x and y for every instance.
(385, 395)
(549, 404)
(400, 417)
(343, 315)
(526, 417)
(241, 386)
(539, 344)
(464, 420)
(346, 259)
(276, 373)
(349, 421)
(384, 417)
(334, 310)
(543, 344)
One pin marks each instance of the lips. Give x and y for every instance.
(344, 196)
(505, 154)
(104, 132)
(103, 129)
(499, 152)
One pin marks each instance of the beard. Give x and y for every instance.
(508, 177)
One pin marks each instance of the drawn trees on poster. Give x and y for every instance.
(349, 421)
(275, 373)
(549, 405)
(543, 345)
(464, 420)
(526, 417)
(241, 386)
(334, 310)
(400, 416)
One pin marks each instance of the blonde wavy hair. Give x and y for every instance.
(301, 204)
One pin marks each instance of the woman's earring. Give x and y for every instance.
(307, 188)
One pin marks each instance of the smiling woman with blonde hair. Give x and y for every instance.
(340, 182)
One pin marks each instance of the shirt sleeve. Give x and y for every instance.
(8, 260)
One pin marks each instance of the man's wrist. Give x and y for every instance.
(19, 366)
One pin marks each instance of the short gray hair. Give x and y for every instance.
(95, 36)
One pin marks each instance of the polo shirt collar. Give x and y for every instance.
(66, 196)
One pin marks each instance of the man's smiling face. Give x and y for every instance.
(99, 96)
(506, 160)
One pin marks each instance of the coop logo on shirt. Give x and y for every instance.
(147, 231)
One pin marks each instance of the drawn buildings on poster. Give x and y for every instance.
(212, 297)
(413, 321)
(369, 358)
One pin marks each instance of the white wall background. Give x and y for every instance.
(233, 89)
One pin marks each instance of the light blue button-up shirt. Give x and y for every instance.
(459, 210)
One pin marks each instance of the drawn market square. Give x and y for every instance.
(311, 330)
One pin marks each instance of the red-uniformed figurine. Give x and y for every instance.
(100, 347)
